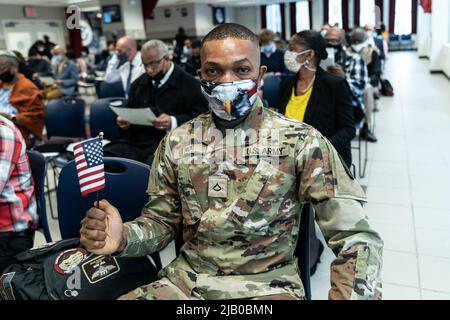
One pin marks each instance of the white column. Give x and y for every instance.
(351, 12)
(287, 21)
(440, 36)
(385, 14)
(317, 14)
(423, 33)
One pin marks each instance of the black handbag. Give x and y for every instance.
(386, 88)
(66, 271)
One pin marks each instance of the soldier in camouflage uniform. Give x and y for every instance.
(238, 203)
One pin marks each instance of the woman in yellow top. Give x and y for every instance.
(320, 99)
(315, 96)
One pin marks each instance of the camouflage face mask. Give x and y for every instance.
(230, 100)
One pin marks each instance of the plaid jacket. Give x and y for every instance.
(17, 199)
(356, 76)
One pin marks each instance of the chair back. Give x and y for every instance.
(103, 119)
(111, 90)
(126, 184)
(65, 118)
(271, 90)
(302, 249)
(38, 167)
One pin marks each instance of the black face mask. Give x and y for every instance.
(158, 77)
(336, 47)
(123, 57)
(7, 77)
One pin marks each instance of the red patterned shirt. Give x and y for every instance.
(17, 199)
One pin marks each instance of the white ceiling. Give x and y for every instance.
(91, 3)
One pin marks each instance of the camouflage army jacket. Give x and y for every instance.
(237, 200)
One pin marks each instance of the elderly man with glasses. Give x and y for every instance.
(171, 94)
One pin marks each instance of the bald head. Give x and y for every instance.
(358, 35)
(128, 42)
(128, 46)
(59, 50)
(335, 36)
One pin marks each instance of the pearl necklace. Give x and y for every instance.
(308, 87)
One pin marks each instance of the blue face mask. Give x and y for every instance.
(58, 58)
(268, 48)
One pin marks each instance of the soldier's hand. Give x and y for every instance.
(102, 230)
(123, 124)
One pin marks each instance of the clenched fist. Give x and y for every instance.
(102, 230)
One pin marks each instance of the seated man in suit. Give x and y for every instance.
(125, 66)
(173, 95)
(66, 75)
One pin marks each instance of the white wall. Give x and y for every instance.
(249, 16)
(132, 23)
(133, 19)
(440, 36)
(166, 28)
(8, 12)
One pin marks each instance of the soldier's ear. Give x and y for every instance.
(262, 72)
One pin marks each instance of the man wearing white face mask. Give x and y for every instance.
(239, 214)
(361, 45)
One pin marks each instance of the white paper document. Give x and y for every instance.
(47, 80)
(328, 62)
(140, 116)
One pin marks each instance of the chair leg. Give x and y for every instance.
(48, 192)
(157, 259)
(55, 180)
(362, 173)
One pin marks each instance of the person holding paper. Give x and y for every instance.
(170, 93)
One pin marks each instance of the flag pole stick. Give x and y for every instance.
(97, 203)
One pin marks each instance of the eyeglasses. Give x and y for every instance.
(333, 42)
(152, 65)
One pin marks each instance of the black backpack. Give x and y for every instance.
(386, 88)
(66, 271)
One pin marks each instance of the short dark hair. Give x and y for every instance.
(196, 44)
(314, 41)
(231, 30)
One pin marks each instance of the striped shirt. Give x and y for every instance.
(18, 210)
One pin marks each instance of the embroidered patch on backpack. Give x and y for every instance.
(67, 260)
(100, 268)
(6, 290)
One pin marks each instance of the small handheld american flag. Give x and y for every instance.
(89, 162)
